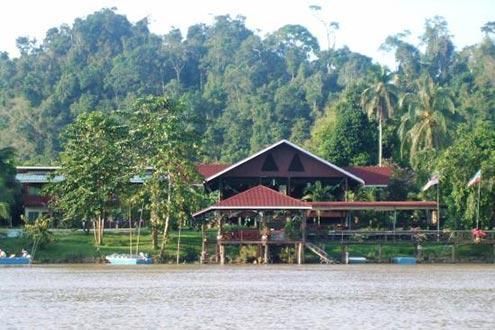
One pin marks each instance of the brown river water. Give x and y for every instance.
(248, 297)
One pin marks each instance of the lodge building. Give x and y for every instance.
(261, 200)
(263, 195)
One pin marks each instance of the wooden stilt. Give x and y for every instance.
(345, 254)
(300, 253)
(204, 257)
(219, 240)
(265, 257)
(379, 253)
(453, 253)
(222, 254)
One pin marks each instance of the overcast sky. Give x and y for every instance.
(364, 24)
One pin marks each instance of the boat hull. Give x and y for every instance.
(404, 260)
(15, 261)
(129, 260)
(357, 260)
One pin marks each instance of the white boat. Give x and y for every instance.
(129, 259)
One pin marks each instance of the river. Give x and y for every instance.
(247, 297)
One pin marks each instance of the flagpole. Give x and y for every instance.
(438, 211)
(478, 213)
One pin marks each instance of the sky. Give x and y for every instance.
(364, 24)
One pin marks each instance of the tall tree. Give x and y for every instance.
(472, 150)
(163, 140)
(294, 43)
(344, 134)
(95, 165)
(379, 100)
(439, 52)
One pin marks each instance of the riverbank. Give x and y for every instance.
(75, 246)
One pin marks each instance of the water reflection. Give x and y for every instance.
(244, 297)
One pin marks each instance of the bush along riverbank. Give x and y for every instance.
(76, 246)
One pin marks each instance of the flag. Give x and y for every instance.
(433, 181)
(475, 179)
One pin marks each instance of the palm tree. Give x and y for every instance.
(317, 192)
(378, 100)
(424, 126)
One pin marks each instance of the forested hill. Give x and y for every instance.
(247, 91)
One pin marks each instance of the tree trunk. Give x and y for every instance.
(95, 232)
(102, 227)
(154, 229)
(167, 218)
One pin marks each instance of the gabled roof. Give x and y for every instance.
(335, 167)
(375, 176)
(207, 170)
(258, 198)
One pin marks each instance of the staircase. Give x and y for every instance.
(324, 257)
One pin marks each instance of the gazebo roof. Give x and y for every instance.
(258, 198)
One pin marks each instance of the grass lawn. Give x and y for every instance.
(70, 246)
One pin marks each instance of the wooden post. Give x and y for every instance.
(379, 253)
(300, 253)
(219, 239)
(345, 254)
(222, 254)
(303, 226)
(265, 256)
(203, 258)
(395, 223)
(345, 189)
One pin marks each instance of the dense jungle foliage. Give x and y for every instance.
(434, 112)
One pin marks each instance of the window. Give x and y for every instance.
(296, 164)
(269, 165)
(33, 215)
(34, 190)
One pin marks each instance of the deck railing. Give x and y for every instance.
(445, 236)
(365, 236)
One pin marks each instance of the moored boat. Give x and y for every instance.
(129, 259)
(16, 261)
(404, 260)
(357, 260)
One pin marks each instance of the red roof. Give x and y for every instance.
(261, 196)
(207, 170)
(372, 175)
(376, 205)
